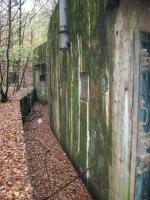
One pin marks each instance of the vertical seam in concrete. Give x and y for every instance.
(71, 126)
(79, 90)
(88, 135)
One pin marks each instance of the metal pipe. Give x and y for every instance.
(63, 25)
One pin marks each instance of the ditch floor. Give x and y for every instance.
(52, 176)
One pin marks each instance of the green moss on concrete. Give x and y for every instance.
(92, 43)
(83, 136)
(89, 43)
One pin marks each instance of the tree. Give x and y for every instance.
(8, 45)
(12, 22)
(20, 31)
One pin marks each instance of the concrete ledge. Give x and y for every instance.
(14, 179)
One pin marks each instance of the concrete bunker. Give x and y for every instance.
(94, 98)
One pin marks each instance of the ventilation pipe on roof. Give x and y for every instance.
(63, 29)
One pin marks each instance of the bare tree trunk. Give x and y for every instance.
(23, 74)
(1, 85)
(20, 42)
(1, 74)
(8, 50)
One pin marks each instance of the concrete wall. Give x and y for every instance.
(26, 104)
(101, 132)
(38, 65)
(132, 17)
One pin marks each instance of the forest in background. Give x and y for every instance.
(23, 25)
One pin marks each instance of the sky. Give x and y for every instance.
(28, 5)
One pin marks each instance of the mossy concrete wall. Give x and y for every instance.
(83, 128)
(97, 133)
(39, 61)
(132, 17)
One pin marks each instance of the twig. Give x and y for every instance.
(67, 184)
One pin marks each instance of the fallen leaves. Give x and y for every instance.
(34, 150)
(14, 181)
(50, 169)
